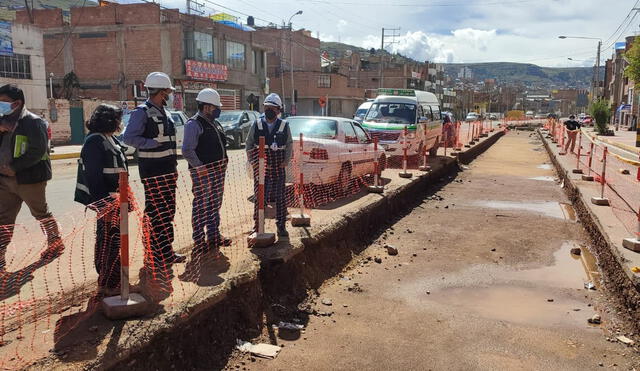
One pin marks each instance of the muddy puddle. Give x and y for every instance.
(542, 296)
(550, 209)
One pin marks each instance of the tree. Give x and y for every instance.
(601, 113)
(633, 56)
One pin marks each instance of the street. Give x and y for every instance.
(485, 278)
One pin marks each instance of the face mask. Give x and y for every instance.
(168, 100)
(6, 109)
(215, 113)
(270, 114)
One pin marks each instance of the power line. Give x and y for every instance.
(66, 40)
(622, 23)
(422, 5)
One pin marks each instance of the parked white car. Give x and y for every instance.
(472, 116)
(336, 150)
(178, 117)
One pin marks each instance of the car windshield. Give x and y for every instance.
(361, 112)
(393, 113)
(313, 128)
(229, 117)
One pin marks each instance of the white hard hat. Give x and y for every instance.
(210, 96)
(158, 80)
(273, 99)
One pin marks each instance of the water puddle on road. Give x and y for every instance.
(550, 209)
(545, 167)
(531, 296)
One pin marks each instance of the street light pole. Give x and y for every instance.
(293, 103)
(595, 85)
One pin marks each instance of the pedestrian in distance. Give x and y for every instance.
(279, 149)
(573, 127)
(204, 148)
(25, 169)
(152, 132)
(102, 158)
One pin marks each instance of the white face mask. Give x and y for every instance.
(6, 109)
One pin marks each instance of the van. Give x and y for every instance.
(393, 110)
(362, 110)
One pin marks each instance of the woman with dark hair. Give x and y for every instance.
(101, 160)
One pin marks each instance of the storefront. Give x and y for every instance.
(201, 75)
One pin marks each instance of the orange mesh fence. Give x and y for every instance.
(621, 183)
(53, 282)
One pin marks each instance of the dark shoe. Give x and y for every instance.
(176, 258)
(55, 249)
(282, 233)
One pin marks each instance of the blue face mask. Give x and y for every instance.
(6, 109)
(216, 113)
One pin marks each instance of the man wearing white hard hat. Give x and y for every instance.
(279, 150)
(204, 149)
(152, 132)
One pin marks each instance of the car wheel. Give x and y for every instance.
(344, 179)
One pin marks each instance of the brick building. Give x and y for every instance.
(310, 80)
(111, 49)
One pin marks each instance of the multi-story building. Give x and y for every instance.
(23, 64)
(296, 73)
(106, 52)
(619, 89)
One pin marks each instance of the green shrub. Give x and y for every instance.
(600, 110)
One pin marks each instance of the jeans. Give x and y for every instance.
(160, 209)
(208, 189)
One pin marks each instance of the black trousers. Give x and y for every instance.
(160, 209)
(107, 249)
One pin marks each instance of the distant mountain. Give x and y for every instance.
(529, 75)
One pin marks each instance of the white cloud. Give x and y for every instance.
(479, 39)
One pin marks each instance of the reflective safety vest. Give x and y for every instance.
(275, 141)
(113, 164)
(161, 128)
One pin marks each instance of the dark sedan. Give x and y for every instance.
(236, 125)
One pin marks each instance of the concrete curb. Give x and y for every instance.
(623, 146)
(348, 232)
(64, 156)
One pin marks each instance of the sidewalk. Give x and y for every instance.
(604, 218)
(623, 139)
(64, 152)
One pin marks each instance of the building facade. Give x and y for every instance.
(25, 67)
(109, 50)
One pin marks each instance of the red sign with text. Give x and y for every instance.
(206, 71)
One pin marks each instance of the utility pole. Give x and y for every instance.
(393, 35)
(284, 104)
(26, 4)
(597, 92)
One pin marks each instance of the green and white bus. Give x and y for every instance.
(393, 110)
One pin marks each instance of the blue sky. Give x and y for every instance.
(455, 30)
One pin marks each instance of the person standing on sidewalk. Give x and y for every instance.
(101, 160)
(152, 132)
(279, 149)
(204, 149)
(25, 168)
(573, 127)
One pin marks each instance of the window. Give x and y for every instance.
(436, 112)
(392, 113)
(17, 66)
(235, 55)
(349, 133)
(254, 61)
(362, 136)
(324, 81)
(198, 46)
(312, 128)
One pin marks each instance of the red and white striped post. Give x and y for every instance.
(127, 304)
(589, 177)
(405, 148)
(469, 136)
(602, 201)
(458, 144)
(425, 161)
(577, 170)
(376, 187)
(302, 219)
(259, 238)
(124, 235)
